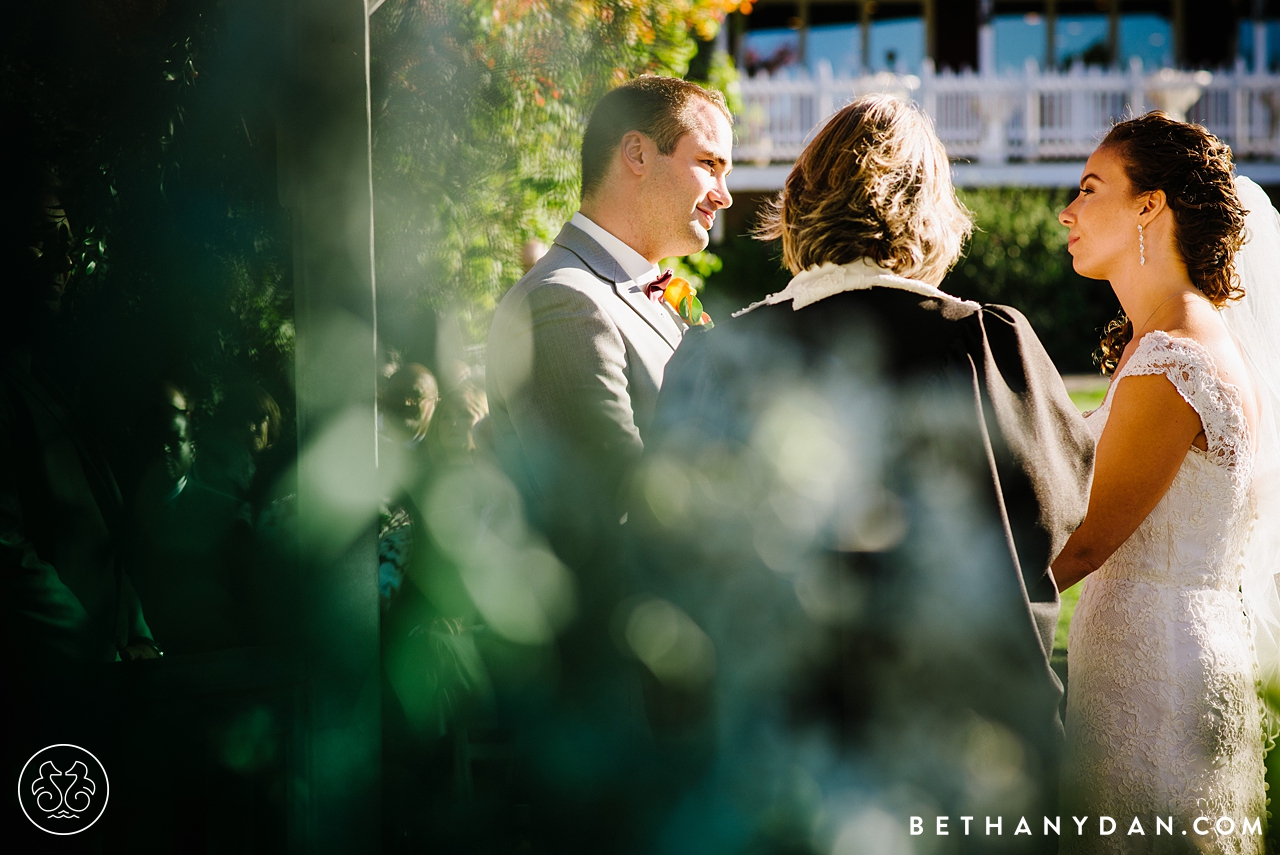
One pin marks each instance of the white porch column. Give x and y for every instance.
(803, 57)
(864, 32)
(1260, 58)
(1031, 72)
(931, 30)
(1050, 35)
(1113, 33)
(986, 38)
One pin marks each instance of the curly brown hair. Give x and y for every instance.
(874, 183)
(1194, 169)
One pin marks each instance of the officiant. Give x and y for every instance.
(852, 494)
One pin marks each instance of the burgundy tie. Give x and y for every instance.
(655, 289)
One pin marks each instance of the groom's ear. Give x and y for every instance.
(637, 152)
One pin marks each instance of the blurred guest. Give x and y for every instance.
(187, 540)
(437, 686)
(246, 423)
(451, 437)
(166, 436)
(66, 602)
(408, 400)
(409, 468)
(531, 253)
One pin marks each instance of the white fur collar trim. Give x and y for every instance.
(826, 280)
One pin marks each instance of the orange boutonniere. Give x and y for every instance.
(679, 295)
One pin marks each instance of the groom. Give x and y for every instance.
(577, 350)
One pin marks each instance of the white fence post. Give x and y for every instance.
(1137, 87)
(1079, 100)
(1240, 104)
(928, 90)
(1031, 112)
(1260, 60)
(825, 101)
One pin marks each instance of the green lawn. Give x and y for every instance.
(1069, 598)
(1086, 394)
(1088, 399)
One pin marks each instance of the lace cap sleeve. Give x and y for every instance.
(1189, 366)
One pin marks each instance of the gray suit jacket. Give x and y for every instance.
(576, 356)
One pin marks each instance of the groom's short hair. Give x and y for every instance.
(658, 107)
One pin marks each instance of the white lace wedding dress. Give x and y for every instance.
(1163, 714)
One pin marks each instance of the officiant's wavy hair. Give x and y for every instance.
(874, 183)
(658, 107)
(1194, 169)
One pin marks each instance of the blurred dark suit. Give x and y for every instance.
(66, 601)
(901, 472)
(187, 557)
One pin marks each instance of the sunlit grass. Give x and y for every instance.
(1069, 599)
(1087, 394)
(1088, 399)
(1086, 390)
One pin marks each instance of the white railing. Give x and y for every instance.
(1034, 115)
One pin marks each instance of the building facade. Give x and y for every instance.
(877, 35)
(1020, 92)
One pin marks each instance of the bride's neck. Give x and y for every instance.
(1147, 293)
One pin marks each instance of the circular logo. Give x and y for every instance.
(63, 789)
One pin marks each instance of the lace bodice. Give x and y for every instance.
(1190, 368)
(1163, 717)
(1204, 517)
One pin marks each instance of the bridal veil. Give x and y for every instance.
(1254, 321)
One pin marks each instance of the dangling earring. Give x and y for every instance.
(1142, 247)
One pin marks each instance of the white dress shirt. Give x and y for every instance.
(633, 263)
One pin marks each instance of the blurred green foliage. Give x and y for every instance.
(158, 119)
(1018, 257)
(479, 111)
(696, 268)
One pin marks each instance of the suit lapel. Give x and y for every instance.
(632, 293)
(604, 265)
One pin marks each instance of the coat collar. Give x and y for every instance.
(826, 280)
(593, 255)
(603, 265)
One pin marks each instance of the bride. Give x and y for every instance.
(1163, 713)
